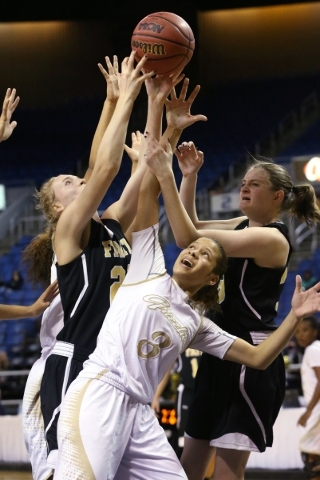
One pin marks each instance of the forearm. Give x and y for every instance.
(105, 118)
(188, 196)
(154, 118)
(111, 145)
(182, 227)
(172, 135)
(14, 312)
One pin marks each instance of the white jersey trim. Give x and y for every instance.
(86, 283)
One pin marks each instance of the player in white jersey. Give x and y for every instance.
(32, 420)
(107, 430)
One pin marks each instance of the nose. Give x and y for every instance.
(82, 181)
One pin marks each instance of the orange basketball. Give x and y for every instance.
(167, 39)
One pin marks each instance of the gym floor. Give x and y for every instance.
(13, 472)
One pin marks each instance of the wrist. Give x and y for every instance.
(111, 103)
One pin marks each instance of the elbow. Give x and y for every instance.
(181, 242)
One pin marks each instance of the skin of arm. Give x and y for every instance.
(10, 103)
(178, 113)
(125, 209)
(190, 160)
(109, 106)
(314, 400)
(304, 303)
(71, 227)
(267, 246)
(14, 312)
(155, 404)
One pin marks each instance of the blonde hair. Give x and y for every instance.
(38, 255)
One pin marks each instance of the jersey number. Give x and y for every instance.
(147, 349)
(117, 273)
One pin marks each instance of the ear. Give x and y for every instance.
(57, 207)
(213, 280)
(279, 196)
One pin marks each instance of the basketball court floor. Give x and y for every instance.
(23, 474)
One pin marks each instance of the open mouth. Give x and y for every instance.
(186, 263)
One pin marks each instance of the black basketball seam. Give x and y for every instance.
(169, 21)
(164, 39)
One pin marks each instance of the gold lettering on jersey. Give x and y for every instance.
(159, 303)
(148, 349)
(284, 276)
(192, 352)
(221, 290)
(113, 249)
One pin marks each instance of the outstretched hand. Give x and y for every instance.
(178, 108)
(111, 77)
(305, 303)
(133, 151)
(190, 159)
(45, 299)
(131, 77)
(158, 87)
(10, 103)
(158, 157)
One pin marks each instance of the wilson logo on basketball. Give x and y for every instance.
(151, 26)
(150, 48)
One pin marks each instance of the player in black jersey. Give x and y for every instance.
(93, 254)
(235, 407)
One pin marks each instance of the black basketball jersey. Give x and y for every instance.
(188, 363)
(249, 294)
(89, 283)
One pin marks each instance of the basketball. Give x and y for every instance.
(167, 39)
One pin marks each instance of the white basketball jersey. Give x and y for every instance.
(148, 325)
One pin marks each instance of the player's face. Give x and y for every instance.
(195, 265)
(305, 334)
(256, 195)
(66, 188)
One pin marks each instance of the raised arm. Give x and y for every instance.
(111, 78)
(190, 160)
(267, 246)
(125, 209)
(75, 217)
(10, 103)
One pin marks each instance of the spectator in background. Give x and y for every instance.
(308, 279)
(15, 282)
(10, 103)
(307, 336)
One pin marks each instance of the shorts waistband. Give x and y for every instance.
(259, 337)
(69, 350)
(63, 348)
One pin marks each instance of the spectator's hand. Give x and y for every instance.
(45, 299)
(190, 159)
(178, 108)
(10, 103)
(111, 77)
